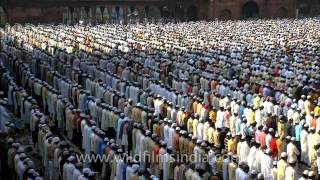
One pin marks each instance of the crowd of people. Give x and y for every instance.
(231, 100)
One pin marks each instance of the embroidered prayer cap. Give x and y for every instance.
(254, 172)
(291, 161)
(283, 154)
(311, 174)
(275, 163)
(86, 170)
(198, 141)
(23, 155)
(10, 140)
(66, 152)
(148, 132)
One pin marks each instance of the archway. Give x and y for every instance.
(226, 14)
(165, 12)
(91, 14)
(3, 17)
(83, 14)
(133, 14)
(67, 16)
(98, 15)
(282, 12)
(117, 14)
(304, 9)
(76, 15)
(153, 12)
(179, 12)
(146, 10)
(105, 15)
(133, 11)
(250, 10)
(192, 13)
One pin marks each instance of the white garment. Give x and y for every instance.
(4, 117)
(266, 167)
(244, 152)
(304, 146)
(70, 169)
(196, 176)
(259, 158)
(241, 175)
(81, 177)
(219, 123)
(268, 139)
(20, 170)
(292, 152)
(138, 144)
(119, 173)
(76, 174)
(166, 166)
(290, 174)
(65, 171)
(257, 117)
(166, 129)
(252, 159)
(200, 131)
(170, 138)
(197, 154)
(225, 165)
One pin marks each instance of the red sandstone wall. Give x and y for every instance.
(51, 10)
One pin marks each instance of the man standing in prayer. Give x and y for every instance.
(292, 150)
(290, 173)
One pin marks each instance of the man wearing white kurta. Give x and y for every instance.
(240, 172)
(65, 170)
(304, 144)
(266, 165)
(200, 130)
(120, 166)
(70, 168)
(165, 166)
(292, 150)
(166, 130)
(225, 164)
(252, 157)
(171, 133)
(76, 172)
(220, 121)
(290, 173)
(244, 151)
(197, 153)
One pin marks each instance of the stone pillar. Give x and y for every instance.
(125, 14)
(3, 16)
(93, 9)
(83, 13)
(92, 12)
(64, 15)
(210, 10)
(98, 15)
(185, 13)
(111, 11)
(76, 14)
(106, 15)
(142, 12)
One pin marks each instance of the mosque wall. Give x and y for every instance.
(283, 8)
(234, 9)
(98, 11)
